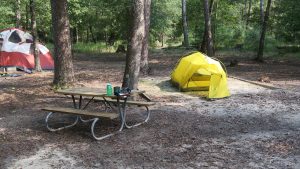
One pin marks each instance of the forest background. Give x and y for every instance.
(102, 25)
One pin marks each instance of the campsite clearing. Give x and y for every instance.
(255, 127)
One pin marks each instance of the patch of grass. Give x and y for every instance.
(288, 55)
(93, 48)
(288, 48)
(172, 51)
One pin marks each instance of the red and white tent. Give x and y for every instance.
(16, 50)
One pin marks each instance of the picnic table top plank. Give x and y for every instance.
(83, 91)
(93, 92)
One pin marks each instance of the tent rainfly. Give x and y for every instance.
(16, 50)
(196, 72)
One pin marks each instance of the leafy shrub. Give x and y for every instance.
(252, 39)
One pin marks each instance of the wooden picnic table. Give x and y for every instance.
(100, 94)
(83, 91)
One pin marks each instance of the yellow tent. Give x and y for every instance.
(200, 72)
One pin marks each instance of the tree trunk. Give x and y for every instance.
(261, 5)
(87, 36)
(203, 43)
(214, 21)
(249, 13)
(37, 63)
(63, 72)
(18, 13)
(185, 25)
(92, 34)
(208, 37)
(263, 33)
(145, 49)
(106, 39)
(162, 39)
(27, 16)
(74, 34)
(202, 47)
(135, 44)
(245, 10)
(77, 34)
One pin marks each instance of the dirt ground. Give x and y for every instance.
(257, 127)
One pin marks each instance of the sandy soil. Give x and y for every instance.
(256, 127)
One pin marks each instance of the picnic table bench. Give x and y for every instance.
(81, 112)
(119, 101)
(146, 104)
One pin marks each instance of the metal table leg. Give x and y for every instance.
(57, 129)
(104, 136)
(122, 111)
(144, 121)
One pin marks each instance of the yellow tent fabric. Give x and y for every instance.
(200, 72)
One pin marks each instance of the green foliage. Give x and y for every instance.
(164, 18)
(270, 43)
(287, 14)
(100, 20)
(195, 18)
(100, 25)
(7, 14)
(50, 46)
(43, 19)
(99, 47)
(252, 39)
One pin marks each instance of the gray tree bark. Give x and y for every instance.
(18, 13)
(63, 72)
(202, 47)
(261, 5)
(263, 34)
(37, 63)
(145, 49)
(185, 24)
(249, 13)
(208, 37)
(135, 44)
(203, 43)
